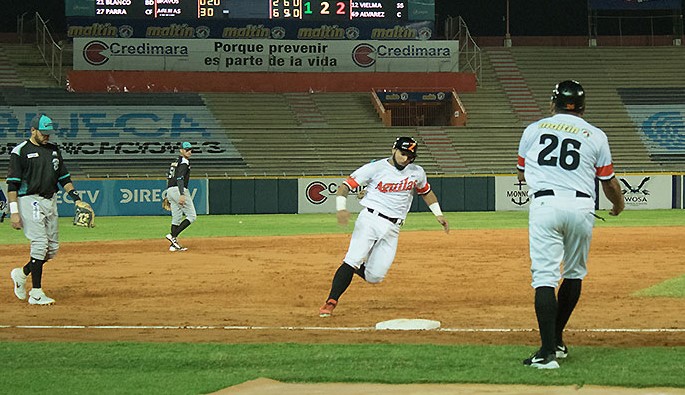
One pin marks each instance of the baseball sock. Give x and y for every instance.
(546, 312)
(341, 280)
(36, 272)
(569, 293)
(181, 227)
(173, 230)
(361, 272)
(27, 268)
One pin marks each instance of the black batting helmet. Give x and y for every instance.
(406, 144)
(569, 95)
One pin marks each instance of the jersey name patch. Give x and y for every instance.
(404, 185)
(32, 155)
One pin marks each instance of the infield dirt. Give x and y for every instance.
(467, 279)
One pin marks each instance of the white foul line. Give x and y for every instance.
(319, 328)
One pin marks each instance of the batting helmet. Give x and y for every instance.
(569, 95)
(406, 144)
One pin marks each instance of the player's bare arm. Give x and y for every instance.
(432, 202)
(15, 218)
(341, 202)
(612, 190)
(521, 176)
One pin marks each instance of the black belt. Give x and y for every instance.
(549, 192)
(396, 221)
(46, 195)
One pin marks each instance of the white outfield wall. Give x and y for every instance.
(641, 192)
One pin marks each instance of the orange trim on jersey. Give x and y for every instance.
(605, 171)
(424, 190)
(351, 183)
(521, 162)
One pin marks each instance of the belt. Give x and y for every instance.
(46, 195)
(549, 192)
(396, 221)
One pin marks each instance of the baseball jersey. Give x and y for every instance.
(389, 190)
(36, 170)
(179, 174)
(564, 152)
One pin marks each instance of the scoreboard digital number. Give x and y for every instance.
(337, 10)
(313, 10)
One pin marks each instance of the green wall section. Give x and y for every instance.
(279, 196)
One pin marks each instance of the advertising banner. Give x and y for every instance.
(122, 132)
(634, 4)
(265, 55)
(511, 194)
(642, 192)
(128, 197)
(317, 195)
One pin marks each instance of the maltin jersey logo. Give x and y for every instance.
(93, 53)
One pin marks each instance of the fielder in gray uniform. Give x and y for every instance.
(36, 167)
(559, 158)
(179, 196)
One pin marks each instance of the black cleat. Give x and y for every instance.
(542, 362)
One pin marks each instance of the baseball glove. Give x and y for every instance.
(166, 204)
(84, 215)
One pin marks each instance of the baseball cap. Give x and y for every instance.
(43, 123)
(186, 145)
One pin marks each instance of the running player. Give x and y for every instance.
(179, 196)
(390, 185)
(559, 158)
(36, 168)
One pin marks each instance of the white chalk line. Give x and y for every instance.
(343, 329)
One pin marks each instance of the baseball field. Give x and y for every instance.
(240, 308)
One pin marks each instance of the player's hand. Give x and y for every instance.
(16, 221)
(343, 217)
(445, 225)
(182, 200)
(616, 210)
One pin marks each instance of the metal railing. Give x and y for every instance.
(50, 51)
(470, 54)
(20, 27)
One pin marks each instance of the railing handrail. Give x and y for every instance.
(49, 49)
(469, 51)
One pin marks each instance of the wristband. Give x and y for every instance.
(74, 195)
(435, 208)
(341, 203)
(14, 208)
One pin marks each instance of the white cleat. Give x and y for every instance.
(38, 297)
(176, 249)
(19, 280)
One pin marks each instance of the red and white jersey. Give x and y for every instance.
(564, 152)
(388, 190)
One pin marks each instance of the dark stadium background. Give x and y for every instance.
(484, 17)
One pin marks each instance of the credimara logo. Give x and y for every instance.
(94, 53)
(363, 55)
(314, 192)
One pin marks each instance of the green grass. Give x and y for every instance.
(139, 228)
(181, 368)
(672, 288)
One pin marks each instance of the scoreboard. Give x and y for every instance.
(326, 10)
(284, 19)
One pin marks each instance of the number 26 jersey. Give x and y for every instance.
(564, 152)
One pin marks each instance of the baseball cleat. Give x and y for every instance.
(542, 362)
(179, 248)
(38, 297)
(327, 309)
(19, 279)
(561, 351)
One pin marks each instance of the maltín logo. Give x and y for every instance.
(93, 53)
(363, 55)
(315, 191)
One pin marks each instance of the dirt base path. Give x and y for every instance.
(474, 279)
